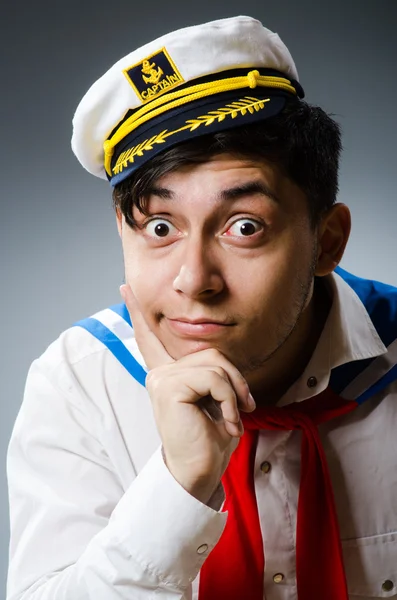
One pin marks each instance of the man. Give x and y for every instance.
(259, 460)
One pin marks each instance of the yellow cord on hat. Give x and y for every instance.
(180, 97)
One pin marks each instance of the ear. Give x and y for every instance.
(333, 234)
(119, 221)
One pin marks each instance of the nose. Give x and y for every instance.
(199, 274)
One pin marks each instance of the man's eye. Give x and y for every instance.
(159, 228)
(244, 227)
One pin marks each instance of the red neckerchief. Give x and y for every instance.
(235, 568)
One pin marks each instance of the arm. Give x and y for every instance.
(75, 533)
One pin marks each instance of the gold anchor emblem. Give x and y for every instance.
(150, 70)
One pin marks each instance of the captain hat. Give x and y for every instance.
(188, 83)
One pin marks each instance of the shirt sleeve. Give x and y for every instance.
(75, 533)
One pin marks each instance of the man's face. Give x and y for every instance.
(224, 259)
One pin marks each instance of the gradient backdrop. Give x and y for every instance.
(60, 254)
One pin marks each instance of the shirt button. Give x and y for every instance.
(278, 578)
(387, 585)
(202, 549)
(265, 467)
(311, 382)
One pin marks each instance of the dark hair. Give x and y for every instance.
(302, 140)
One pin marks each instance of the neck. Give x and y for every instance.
(289, 362)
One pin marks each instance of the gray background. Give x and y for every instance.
(60, 254)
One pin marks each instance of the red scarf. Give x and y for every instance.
(235, 568)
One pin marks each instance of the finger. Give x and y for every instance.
(195, 385)
(234, 429)
(212, 409)
(149, 345)
(204, 388)
(209, 383)
(212, 358)
(245, 401)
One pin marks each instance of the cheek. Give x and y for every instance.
(134, 269)
(275, 276)
(148, 278)
(134, 260)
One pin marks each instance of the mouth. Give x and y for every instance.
(197, 327)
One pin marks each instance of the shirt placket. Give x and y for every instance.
(276, 462)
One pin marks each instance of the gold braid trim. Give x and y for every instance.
(178, 98)
(239, 107)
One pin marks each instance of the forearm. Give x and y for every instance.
(157, 538)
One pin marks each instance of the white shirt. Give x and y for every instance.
(96, 515)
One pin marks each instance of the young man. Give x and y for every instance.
(260, 459)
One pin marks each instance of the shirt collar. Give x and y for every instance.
(348, 335)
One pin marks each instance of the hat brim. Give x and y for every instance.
(207, 115)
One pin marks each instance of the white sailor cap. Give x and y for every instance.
(188, 83)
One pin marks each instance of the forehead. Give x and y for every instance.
(225, 169)
(227, 178)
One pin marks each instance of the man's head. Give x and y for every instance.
(232, 228)
(225, 190)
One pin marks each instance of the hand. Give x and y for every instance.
(196, 402)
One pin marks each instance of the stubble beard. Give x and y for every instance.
(288, 322)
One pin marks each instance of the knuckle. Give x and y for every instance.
(220, 371)
(150, 380)
(238, 380)
(213, 354)
(154, 380)
(220, 378)
(241, 379)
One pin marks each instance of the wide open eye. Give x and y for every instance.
(159, 228)
(244, 228)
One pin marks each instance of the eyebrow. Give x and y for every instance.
(160, 192)
(251, 188)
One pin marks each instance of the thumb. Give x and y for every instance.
(149, 345)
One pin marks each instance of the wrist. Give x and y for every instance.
(202, 488)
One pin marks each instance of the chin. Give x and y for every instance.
(180, 349)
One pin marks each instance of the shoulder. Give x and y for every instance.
(97, 347)
(379, 300)
(73, 346)
(369, 290)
